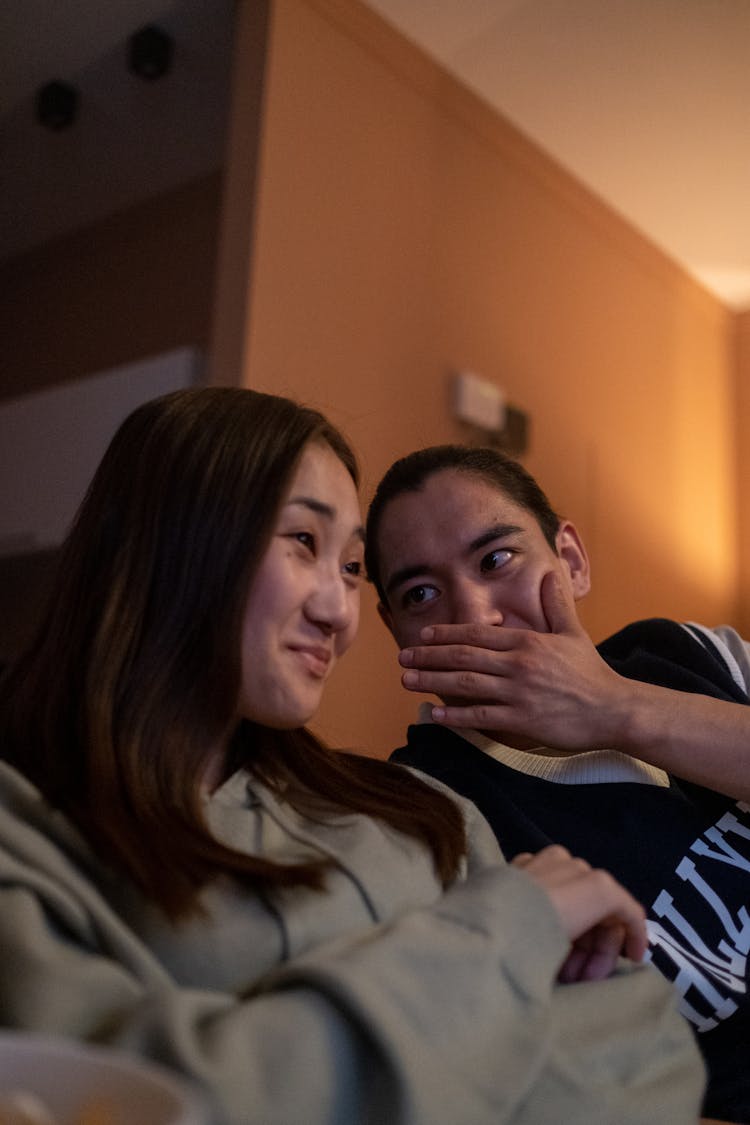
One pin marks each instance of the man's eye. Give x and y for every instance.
(418, 595)
(497, 558)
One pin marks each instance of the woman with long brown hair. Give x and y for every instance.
(187, 872)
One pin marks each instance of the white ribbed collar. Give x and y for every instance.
(592, 767)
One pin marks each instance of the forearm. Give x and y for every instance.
(704, 740)
(450, 1013)
(406, 1023)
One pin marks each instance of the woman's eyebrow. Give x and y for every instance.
(322, 509)
(318, 506)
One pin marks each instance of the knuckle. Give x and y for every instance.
(460, 657)
(526, 663)
(602, 879)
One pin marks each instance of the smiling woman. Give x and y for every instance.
(187, 873)
(303, 608)
(208, 584)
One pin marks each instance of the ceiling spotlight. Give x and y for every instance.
(150, 52)
(56, 105)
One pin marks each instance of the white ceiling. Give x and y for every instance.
(646, 101)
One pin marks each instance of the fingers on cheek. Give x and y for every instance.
(467, 682)
(459, 657)
(472, 635)
(467, 718)
(464, 685)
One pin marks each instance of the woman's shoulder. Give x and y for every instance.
(483, 848)
(35, 835)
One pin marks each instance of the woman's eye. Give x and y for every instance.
(418, 595)
(497, 558)
(306, 538)
(353, 569)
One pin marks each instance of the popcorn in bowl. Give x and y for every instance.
(19, 1107)
(49, 1080)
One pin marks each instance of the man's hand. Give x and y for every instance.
(602, 920)
(551, 688)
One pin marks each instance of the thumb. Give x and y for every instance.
(557, 604)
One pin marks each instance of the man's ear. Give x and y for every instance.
(571, 550)
(386, 617)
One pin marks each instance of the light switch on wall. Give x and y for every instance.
(479, 402)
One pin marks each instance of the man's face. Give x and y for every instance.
(460, 551)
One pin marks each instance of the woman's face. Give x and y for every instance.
(303, 608)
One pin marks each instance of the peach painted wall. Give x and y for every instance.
(742, 359)
(402, 231)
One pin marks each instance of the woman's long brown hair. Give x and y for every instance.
(132, 680)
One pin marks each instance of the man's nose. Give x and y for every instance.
(474, 604)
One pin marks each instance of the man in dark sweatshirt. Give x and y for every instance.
(634, 754)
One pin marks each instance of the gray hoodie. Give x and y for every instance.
(380, 1000)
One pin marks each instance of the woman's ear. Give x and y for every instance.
(571, 550)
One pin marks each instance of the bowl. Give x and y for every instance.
(82, 1084)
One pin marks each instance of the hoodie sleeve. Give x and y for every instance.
(449, 1013)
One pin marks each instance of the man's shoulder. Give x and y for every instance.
(648, 632)
(674, 655)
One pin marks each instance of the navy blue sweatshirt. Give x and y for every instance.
(681, 849)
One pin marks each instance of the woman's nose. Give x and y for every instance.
(332, 605)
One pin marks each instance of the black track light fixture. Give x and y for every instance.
(56, 105)
(150, 52)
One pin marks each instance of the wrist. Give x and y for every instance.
(637, 722)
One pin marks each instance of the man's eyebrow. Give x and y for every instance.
(403, 575)
(323, 509)
(497, 531)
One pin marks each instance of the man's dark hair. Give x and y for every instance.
(410, 473)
